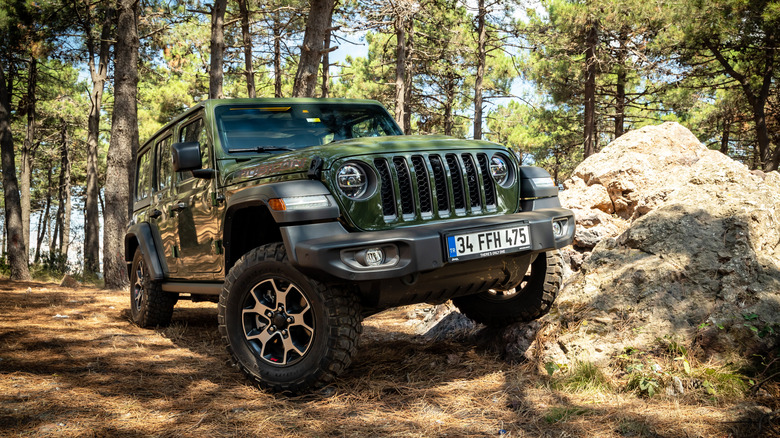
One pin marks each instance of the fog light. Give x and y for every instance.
(371, 257)
(558, 228)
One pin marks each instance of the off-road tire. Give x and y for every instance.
(334, 319)
(149, 305)
(531, 299)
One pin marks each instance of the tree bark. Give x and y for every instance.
(99, 74)
(17, 251)
(217, 49)
(122, 147)
(247, 35)
(317, 24)
(26, 162)
(591, 39)
(481, 59)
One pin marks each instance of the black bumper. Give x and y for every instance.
(328, 248)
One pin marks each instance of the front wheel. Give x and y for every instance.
(285, 331)
(531, 299)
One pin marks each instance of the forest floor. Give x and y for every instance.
(72, 364)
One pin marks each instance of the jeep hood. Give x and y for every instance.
(284, 165)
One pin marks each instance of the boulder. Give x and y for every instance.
(687, 247)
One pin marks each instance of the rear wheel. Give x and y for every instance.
(285, 331)
(149, 305)
(528, 301)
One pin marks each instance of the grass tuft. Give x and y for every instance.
(583, 376)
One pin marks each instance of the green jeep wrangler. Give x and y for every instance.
(302, 216)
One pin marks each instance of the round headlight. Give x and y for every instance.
(352, 181)
(499, 169)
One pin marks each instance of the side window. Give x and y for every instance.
(368, 128)
(164, 157)
(195, 131)
(143, 179)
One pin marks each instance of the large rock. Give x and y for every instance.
(673, 240)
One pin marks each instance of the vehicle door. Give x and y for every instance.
(164, 214)
(198, 209)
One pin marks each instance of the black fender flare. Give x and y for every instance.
(140, 236)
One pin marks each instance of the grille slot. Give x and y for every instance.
(472, 179)
(487, 180)
(386, 181)
(404, 185)
(423, 184)
(440, 181)
(458, 189)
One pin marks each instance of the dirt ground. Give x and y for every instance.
(71, 364)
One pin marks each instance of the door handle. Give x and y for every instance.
(155, 214)
(179, 207)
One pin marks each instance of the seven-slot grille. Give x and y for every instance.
(423, 186)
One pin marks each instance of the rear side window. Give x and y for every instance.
(194, 131)
(165, 176)
(143, 185)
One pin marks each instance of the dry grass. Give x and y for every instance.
(71, 364)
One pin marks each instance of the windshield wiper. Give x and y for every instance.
(262, 149)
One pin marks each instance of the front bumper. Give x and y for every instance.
(330, 249)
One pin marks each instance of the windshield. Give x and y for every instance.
(261, 128)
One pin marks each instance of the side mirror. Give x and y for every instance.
(186, 156)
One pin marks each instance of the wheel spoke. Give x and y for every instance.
(259, 307)
(299, 322)
(288, 347)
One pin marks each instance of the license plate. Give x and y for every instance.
(487, 243)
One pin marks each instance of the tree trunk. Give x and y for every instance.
(724, 138)
(620, 102)
(217, 49)
(122, 147)
(25, 173)
(317, 24)
(449, 102)
(43, 223)
(17, 251)
(409, 77)
(481, 59)
(591, 39)
(247, 34)
(277, 29)
(99, 74)
(64, 194)
(326, 65)
(400, 71)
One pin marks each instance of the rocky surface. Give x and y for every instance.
(674, 241)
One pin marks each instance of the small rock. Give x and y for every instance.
(68, 281)
(60, 316)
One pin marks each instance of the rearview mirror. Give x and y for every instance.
(186, 156)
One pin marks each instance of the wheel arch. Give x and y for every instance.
(250, 223)
(139, 236)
